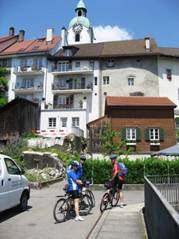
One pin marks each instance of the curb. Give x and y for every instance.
(135, 187)
(40, 185)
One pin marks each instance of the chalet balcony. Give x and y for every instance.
(28, 70)
(72, 71)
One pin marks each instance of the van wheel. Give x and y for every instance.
(24, 202)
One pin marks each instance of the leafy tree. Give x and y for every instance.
(3, 86)
(111, 142)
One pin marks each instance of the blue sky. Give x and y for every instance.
(125, 18)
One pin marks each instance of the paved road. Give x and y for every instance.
(38, 222)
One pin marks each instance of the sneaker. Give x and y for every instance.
(121, 205)
(79, 218)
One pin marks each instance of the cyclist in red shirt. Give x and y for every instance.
(117, 180)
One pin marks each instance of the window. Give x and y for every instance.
(64, 122)
(52, 122)
(130, 81)
(110, 63)
(91, 64)
(77, 64)
(77, 37)
(169, 74)
(105, 80)
(11, 167)
(105, 93)
(63, 66)
(154, 134)
(96, 81)
(131, 134)
(75, 122)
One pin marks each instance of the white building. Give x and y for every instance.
(70, 76)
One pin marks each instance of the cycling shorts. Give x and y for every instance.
(75, 194)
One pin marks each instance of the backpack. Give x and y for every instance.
(123, 169)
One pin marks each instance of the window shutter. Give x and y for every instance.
(138, 134)
(147, 134)
(161, 131)
(123, 134)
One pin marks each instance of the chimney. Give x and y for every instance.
(64, 37)
(11, 31)
(147, 44)
(49, 36)
(21, 35)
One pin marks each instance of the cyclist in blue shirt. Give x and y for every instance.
(80, 170)
(74, 187)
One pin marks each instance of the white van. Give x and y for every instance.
(14, 187)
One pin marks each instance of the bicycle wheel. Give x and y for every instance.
(115, 199)
(85, 204)
(91, 195)
(104, 202)
(60, 210)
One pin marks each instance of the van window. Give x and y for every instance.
(11, 167)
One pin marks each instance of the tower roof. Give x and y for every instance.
(82, 20)
(81, 5)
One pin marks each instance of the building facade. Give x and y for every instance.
(144, 124)
(70, 75)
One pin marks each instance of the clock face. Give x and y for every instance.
(77, 27)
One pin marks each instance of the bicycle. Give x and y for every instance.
(64, 207)
(109, 197)
(87, 191)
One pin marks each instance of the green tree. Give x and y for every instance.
(111, 142)
(3, 86)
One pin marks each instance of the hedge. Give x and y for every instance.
(101, 170)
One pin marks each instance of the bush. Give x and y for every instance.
(101, 170)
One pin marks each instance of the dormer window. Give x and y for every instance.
(110, 63)
(77, 37)
(169, 74)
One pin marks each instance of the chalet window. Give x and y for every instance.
(105, 80)
(64, 121)
(131, 134)
(75, 122)
(52, 122)
(130, 81)
(169, 74)
(154, 134)
(96, 81)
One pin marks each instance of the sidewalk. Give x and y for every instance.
(121, 223)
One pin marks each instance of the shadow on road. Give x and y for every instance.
(11, 213)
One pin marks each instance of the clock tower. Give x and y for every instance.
(80, 30)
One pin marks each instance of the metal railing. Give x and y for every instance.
(168, 185)
(161, 200)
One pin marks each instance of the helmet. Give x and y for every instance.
(75, 163)
(113, 156)
(82, 157)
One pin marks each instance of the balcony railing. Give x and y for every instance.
(69, 69)
(28, 70)
(63, 106)
(71, 87)
(32, 87)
